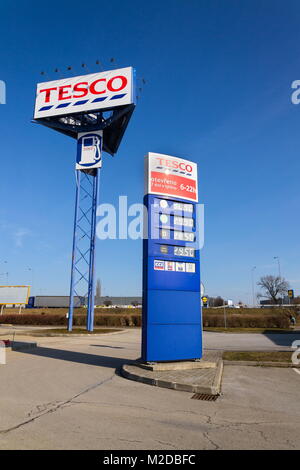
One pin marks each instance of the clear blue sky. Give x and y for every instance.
(218, 92)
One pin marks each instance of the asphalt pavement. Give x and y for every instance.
(65, 394)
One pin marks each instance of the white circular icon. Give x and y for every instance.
(164, 218)
(163, 203)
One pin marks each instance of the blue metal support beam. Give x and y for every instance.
(91, 293)
(82, 287)
(71, 307)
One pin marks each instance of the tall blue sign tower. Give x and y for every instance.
(172, 323)
(94, 109)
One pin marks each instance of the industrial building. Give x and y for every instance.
(57, 301)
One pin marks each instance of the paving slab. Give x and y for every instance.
(205, 380)
(209, 360)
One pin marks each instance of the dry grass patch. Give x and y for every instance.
(258, 356)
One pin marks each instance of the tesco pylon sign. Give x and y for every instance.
(103, 90)
(171, 176)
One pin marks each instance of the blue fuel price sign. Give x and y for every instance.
(172, 323)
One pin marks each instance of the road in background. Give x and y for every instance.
(211, 340)
(250, 341)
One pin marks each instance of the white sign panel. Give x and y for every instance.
(101, 90)
(17, 295)
(89, 150)
(171, 176)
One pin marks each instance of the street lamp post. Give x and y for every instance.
(6, 273)
(279, 271)
(278, 261)
(225, 320)
(252, 278)
(32, 273)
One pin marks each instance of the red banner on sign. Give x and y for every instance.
(174, 185)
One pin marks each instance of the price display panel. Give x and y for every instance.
(172, 324)
(184, 251)
(184, 236)
(184, 221)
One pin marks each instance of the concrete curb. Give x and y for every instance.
(216, 388)
(213, 389)
(65, 335)
(176, 366)
(261, 364)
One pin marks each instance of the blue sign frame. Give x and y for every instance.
(172, 319)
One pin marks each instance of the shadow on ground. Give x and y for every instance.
(282, 339)
(79, 357)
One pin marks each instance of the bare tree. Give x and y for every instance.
(216, 301)
(273, 287)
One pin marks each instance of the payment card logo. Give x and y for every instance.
(159, 265)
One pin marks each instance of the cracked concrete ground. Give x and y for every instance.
(66, 395)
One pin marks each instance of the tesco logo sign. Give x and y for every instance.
(171, 176)
(91, 92)
(175, 164)
(82, 88)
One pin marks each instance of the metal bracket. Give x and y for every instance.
(113, 123)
